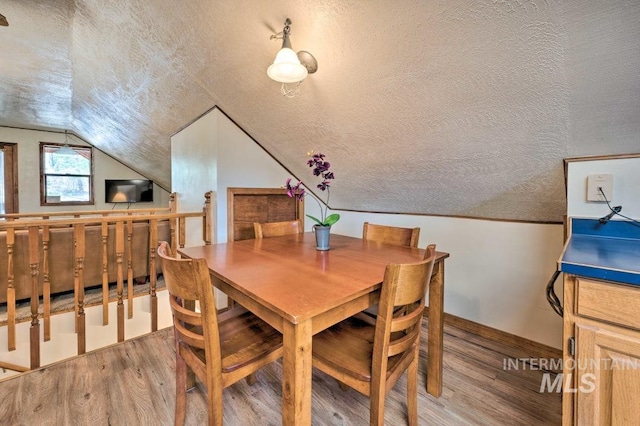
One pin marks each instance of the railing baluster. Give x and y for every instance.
(129, 269)
(76, 279)
(119, 284)
(153, 244)
(46, 284)
(79, 236)
(11, 291)
(34, 261)
(105, 273)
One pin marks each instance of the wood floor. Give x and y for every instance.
(132, 383)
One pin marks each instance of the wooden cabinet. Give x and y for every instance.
(248, 205)
(601, 356)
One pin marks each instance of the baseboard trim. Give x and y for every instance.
(535, 349)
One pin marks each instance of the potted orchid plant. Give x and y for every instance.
(323, 224)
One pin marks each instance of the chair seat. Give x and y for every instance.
(244, 338)
(347, 347)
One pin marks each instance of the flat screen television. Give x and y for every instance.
(128, 190)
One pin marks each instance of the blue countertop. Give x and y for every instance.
(609, 251)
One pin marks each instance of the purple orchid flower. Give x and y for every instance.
(296, 191)
(324, 185)
(320, 168)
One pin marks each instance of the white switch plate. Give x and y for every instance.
(599, 181)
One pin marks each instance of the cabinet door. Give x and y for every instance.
(248, 205)
(607, 375)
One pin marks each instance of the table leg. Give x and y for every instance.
(436, 331)
(296, 374)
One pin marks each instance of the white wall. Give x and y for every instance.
(194, 170)
(242, 163)
(105, 167)
(497, 271)
(213, 154)
(626, 187)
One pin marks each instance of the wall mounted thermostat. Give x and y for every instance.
(597, 182)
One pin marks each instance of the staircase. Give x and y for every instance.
(63, 343)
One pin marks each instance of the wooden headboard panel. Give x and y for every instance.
(248, 205)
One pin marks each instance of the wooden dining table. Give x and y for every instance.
(301, 291)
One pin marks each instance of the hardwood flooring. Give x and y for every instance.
(133, 383)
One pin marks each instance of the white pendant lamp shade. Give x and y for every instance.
(287, 67)
(290, 68)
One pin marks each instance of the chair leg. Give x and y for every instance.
(214, 398)
(377, 398)
(412, 391)
(190, 382)
(251, 379)
(181, 391)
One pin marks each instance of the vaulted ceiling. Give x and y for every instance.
(452, 107)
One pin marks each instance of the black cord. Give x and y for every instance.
(615, 211)
(552, 298)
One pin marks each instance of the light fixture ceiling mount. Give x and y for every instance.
(289, 67)
(66, 149)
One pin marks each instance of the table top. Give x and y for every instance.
(608, 251)
(292, 278)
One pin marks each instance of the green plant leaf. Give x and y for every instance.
(315, 219)
(331, 219)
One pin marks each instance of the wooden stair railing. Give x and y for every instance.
(85, 213)
(39, 227)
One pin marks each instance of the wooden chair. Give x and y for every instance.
(391, 234)
(218, 349)
(276, 229)
(371, 358)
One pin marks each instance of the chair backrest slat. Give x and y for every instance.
(395, 235)
(277, 229)
(408, 320)
(183, 314)
(403, 343)
(189, 337)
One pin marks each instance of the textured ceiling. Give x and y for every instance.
(452, 107)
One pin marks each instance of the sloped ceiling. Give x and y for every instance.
(451, 107)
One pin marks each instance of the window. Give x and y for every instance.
(8, 178)
(66, 174)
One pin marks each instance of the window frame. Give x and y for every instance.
(43, 195)
(11, 177)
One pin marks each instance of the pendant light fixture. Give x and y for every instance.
(289, 67)
(66, 149)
